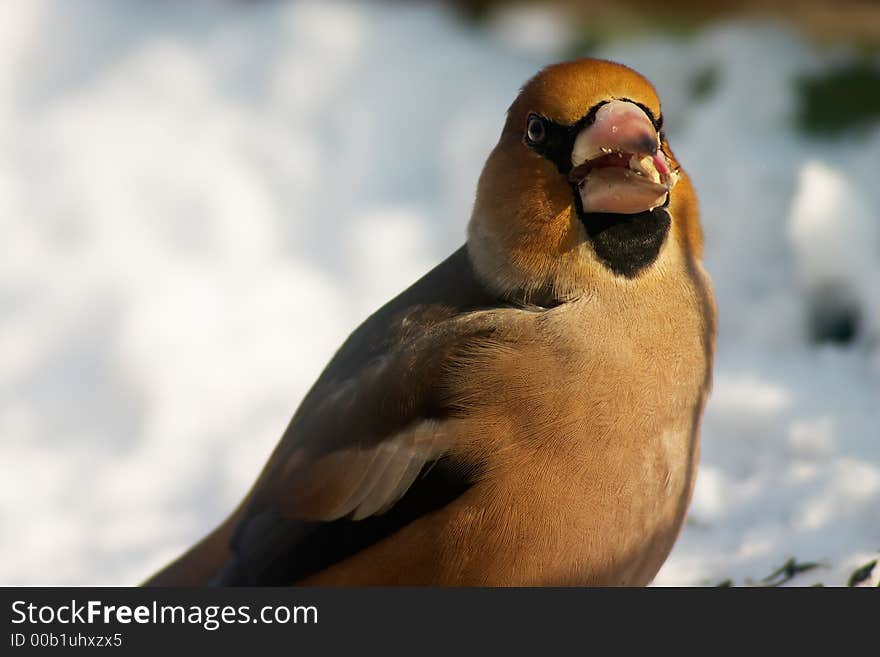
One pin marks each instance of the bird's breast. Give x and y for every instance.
(602, 444)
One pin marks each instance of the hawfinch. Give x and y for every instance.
(528, 412)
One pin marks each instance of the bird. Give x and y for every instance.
(528, 412)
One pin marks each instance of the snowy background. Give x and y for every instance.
(199, 201)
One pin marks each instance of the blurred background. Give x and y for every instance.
(200, 200)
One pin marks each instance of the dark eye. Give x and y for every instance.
(536, 130)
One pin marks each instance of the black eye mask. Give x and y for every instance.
(559, 138)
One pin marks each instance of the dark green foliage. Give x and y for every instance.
(586, 43)
(704, 83)
(788, 571)
(861, 574)
(792, 568)
(845, 99)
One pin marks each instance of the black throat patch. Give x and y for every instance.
(626, 243)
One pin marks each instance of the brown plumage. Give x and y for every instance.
(528, 412)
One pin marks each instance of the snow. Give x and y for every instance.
(201, 200)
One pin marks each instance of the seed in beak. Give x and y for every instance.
(645, 166)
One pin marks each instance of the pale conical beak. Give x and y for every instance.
(617, 162)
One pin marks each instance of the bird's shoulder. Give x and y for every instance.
(439, 302)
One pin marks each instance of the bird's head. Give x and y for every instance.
(582, 185)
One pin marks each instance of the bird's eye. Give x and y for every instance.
(536, 130)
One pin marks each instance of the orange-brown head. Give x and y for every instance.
(582, 184)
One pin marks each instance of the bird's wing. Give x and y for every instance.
(352, 451)
(370, 448)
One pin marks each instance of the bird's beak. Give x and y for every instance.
(617, 164)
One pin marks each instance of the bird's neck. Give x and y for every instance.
(622, 251)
